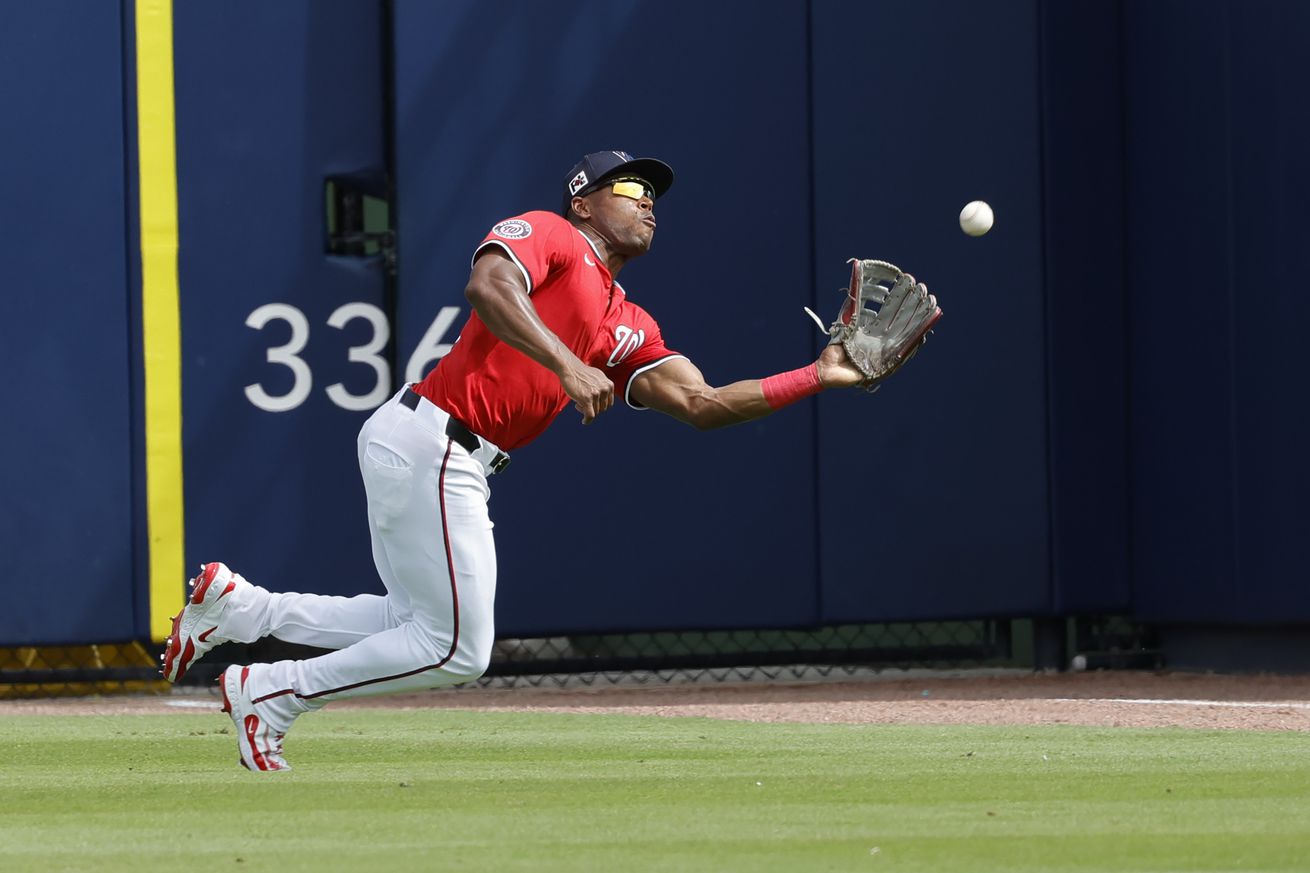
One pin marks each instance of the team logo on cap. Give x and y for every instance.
(515, 228)
(578, 182)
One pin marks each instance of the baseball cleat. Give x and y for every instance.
(195, 626)
(259, 745)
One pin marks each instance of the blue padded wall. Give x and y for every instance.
(1106, 421)
(1086, 305)
(1217, 181)
(1270, 143)
(1181, 391)
(636, 521)
(948, 461)
(271, 99)
(66, 518)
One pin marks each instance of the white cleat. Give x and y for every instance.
(259, 744)
(195, 627)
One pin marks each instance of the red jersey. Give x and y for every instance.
(502, 394)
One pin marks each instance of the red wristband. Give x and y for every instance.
(785, 388)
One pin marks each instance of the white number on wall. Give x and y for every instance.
(430, 348)
(286, 355)
(367, 354)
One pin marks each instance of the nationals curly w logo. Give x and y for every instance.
(626, 341)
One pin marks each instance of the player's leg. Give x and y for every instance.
(321, 620)
(441, 554)
(222, 606)
(435, 552)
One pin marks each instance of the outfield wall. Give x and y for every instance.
(1105, 421)
(68, 472)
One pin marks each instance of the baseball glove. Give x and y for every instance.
(880, 341)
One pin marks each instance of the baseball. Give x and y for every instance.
(976, 218)
(1078, 664)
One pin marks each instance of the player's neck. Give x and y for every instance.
(612, 260)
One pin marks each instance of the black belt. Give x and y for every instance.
(456, 430)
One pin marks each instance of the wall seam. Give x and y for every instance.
(390, 261)
(1126, 271)
(1043, 173)
(813, 242)
(1230, 244)
(131, 245)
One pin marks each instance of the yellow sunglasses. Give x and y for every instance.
(632, 187)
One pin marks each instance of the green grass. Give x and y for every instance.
(443, 790)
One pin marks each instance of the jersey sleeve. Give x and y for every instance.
(537, 242)
(638, 347)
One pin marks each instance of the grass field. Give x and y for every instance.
(450, 790)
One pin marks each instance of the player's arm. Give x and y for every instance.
(678, 388)
(499, 295)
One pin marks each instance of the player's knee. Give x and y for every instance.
(473, 645)
(467, 662)
(471, 660)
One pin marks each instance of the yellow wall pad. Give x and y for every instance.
(76, 671)
(160, 319)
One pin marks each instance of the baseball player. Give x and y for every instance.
(550, 325)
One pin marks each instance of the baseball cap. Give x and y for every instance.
(596, 167)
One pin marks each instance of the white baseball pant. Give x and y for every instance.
(433, 547)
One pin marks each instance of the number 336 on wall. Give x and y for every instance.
(430, 348)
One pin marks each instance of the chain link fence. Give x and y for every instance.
(747, 654)
(837, 651)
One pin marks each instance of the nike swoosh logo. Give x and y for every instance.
(204, 638)
(589, 262)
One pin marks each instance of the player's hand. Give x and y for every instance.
(590, 390)
(836, 369)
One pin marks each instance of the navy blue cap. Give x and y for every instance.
(588, 173)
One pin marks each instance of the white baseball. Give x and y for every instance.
(1078, 664)
(976, 218)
